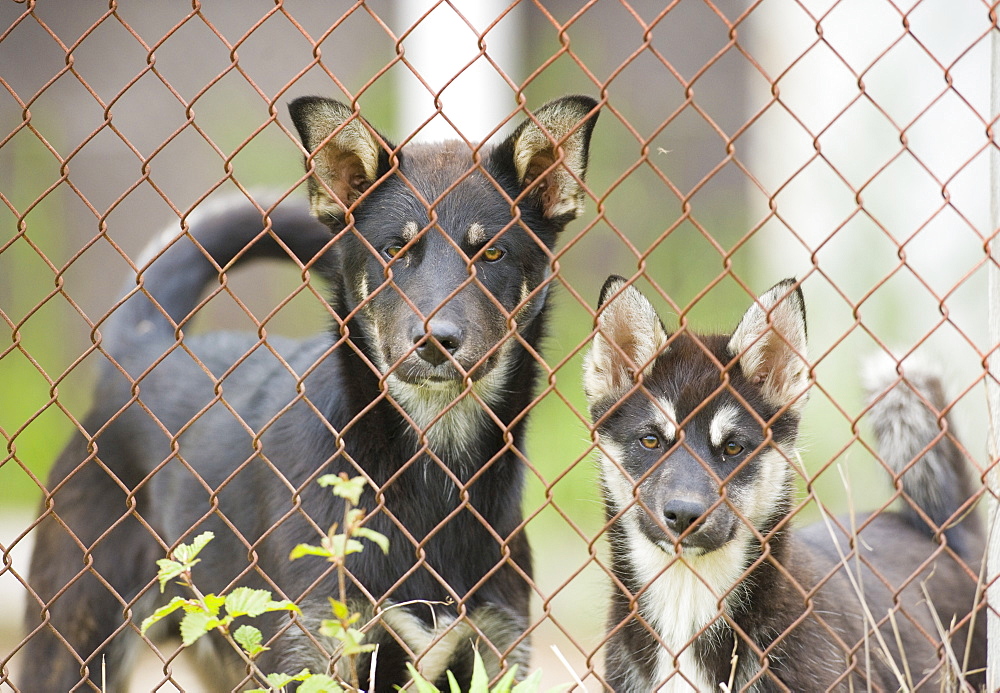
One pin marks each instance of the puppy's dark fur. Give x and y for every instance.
(438, 259)
(698, 434)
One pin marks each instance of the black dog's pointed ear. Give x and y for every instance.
(346, 153)
(557, 132)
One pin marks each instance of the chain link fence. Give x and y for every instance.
(846, 144)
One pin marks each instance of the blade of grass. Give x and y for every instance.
(857, 587)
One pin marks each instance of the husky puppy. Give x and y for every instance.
(711, 585)
(439, 262)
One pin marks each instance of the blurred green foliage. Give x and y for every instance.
(32, 428)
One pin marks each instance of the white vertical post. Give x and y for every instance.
(474, 98)
(992, 386)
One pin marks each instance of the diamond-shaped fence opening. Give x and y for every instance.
(711, 500)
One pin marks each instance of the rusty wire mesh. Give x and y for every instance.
(739, 143)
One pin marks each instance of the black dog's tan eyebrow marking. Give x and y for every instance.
(410, 230)
(476, 235)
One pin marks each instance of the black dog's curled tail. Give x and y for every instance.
(917, 441)
(175, 268)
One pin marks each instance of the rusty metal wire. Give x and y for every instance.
(116, 121)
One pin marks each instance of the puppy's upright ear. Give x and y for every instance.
(770, 343)
(548, 154)
(629, 337)
(346, 154)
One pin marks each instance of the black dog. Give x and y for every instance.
(439, 263)
(698, 434)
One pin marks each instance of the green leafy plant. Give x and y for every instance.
(335, 547)
(310, 683)
(204, 613)
(480, 682)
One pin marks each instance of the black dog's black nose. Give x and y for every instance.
(680, 514)
(443, 336)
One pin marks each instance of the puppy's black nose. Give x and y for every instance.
(443, 337)
(679, 514)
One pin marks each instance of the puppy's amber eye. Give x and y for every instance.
(650, 442)
(492, 254)
(392, 251)
(732, 449)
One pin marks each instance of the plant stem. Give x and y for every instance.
(252, 667)
(352, 665)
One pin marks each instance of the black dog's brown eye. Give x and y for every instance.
(650, 442)
(392, 251)
(732, 448)
(492, 254)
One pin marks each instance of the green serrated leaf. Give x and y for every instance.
(213, 603)
(283, 605)
(343, 618)
(354, 650)
(327, 480)
(422, 684)
(308, 550)
(245, 601)
(319, 683)
(371, 535)
(353, 546)
(161, 613)
(339, 545)
(353, 517)
(279, 681)
(353, 638)
(185, 553)
(194, 625)
(453, 686)
(343, 487)
(214, 623)
(331, 629)
(168, 571)
(340, 609)
(250, 639)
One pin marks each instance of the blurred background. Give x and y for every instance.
(842, 142)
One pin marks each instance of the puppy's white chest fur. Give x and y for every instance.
(684, 597)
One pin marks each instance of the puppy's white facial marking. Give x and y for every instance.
(619, 488)
(773, 480)
(666, 419)
(724, 422)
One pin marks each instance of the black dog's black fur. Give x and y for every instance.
(438, 265)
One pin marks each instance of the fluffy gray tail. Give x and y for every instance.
(918, 443)
(175, 269)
